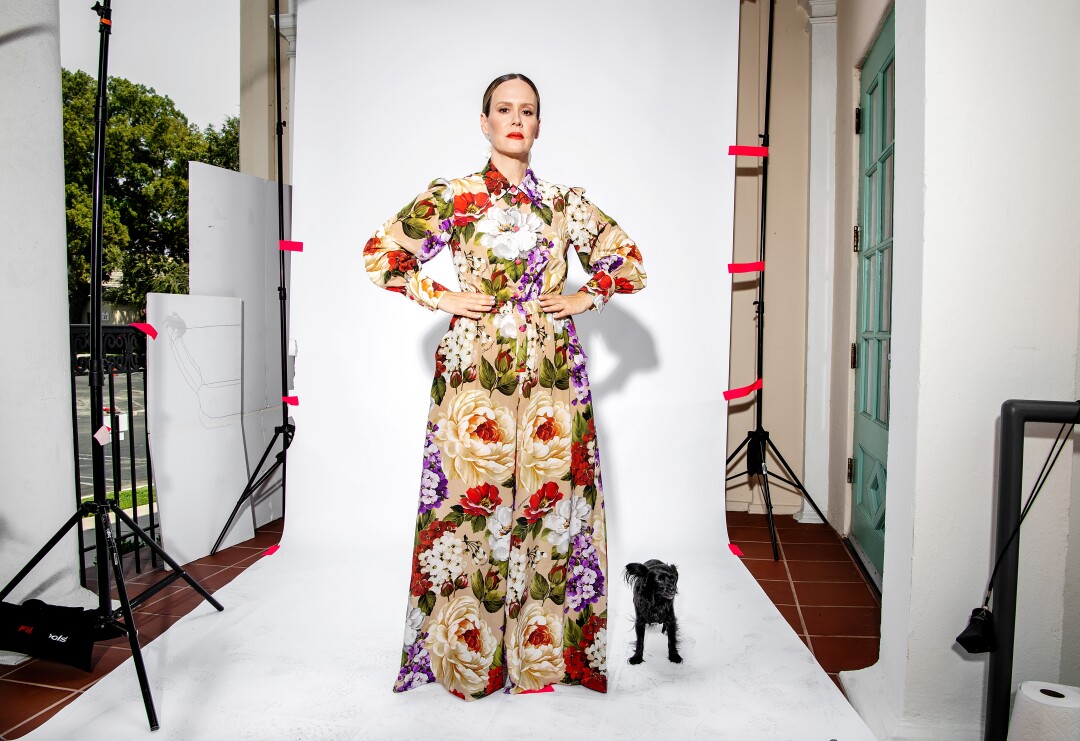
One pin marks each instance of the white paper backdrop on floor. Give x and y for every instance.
(638, 105)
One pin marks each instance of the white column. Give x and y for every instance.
(821, 239)
(37, 484)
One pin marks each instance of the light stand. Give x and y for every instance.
(108, 622)
(757, 441)
(287, 429)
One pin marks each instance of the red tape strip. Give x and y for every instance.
(746, 267)
(549, 688)
(744, 391)
(293, 401)
(271, 550)
(748, 151)
(287, 246)
(147, 328)
(735, 549)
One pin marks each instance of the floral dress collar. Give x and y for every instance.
(497, 185)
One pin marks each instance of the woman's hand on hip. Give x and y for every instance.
(466, 303)
(563, 305)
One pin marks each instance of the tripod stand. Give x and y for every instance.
(757, 441)
(107, 621)
(286, 429)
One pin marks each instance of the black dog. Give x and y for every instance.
(655, 585)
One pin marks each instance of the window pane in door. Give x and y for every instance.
(886, 289)
(884, 366)
(888, 96)
(887, 198)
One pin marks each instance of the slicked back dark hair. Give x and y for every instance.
(486, 107)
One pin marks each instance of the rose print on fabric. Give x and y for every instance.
(508, 586)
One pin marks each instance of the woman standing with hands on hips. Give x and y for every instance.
(509, 569)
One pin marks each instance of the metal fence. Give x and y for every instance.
(127, 457)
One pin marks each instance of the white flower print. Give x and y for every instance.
(413, 621)
(597, 652)
(566, 521)
(499, 526)
(509, 233)
(444, 561)
(507, 321)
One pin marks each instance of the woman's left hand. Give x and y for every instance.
(566, 304)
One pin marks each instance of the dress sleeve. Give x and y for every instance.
(611, 255)
(393, 256)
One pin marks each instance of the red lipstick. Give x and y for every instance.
(515, 135)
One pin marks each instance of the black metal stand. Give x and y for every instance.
(1014, 416)
(109, 622)
(287, 429)
(757, 441)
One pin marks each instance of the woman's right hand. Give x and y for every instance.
(471, 304)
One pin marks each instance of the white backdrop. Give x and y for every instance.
(638, 105)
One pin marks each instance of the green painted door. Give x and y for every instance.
(874, 303)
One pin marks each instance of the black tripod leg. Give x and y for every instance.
(768, 503)
(735, 452)
(797, 482)
(129, 619)
(72, 521)
(141, 534)
(248, 490)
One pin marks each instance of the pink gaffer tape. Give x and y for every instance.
(271, 550)
(744, 391)
(735, 549)
(293, 401)
(148, 328)
(746, 267)
(748, 151)
(287, 246)
(549, 688)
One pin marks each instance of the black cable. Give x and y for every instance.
(1048, 465)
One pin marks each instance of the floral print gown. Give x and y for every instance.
(509, 568)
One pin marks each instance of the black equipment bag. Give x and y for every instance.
(63, 634)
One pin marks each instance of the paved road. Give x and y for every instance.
(121, 403)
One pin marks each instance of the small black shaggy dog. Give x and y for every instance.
(655, 585)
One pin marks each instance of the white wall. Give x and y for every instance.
(37, 483)
(640, 111)
(985, 309)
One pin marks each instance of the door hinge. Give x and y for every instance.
(855, 239)
(850, 470)
(854, 357)
(858, 121)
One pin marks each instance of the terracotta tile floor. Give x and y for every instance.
(817, 587)
(34, 691)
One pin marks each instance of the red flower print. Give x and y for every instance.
(488, 431)
(469, 207)
(581, 469)
(591, 628)
(481, 501)
(496, 679)
(372, 246)
(420, 584)
(542, 502)
(622, 285)
(401, 261)
(603, 280)
(521, 197)
(396, 289)
(546, 430)
(595, 681)
(496, 182)
(576, 663)
(433, 532)
(424, 209)
(633, 253)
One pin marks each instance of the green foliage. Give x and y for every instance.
(148, 145)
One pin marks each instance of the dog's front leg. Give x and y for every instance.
(639, 648)
(671, 627)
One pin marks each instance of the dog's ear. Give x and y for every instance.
(635, 573)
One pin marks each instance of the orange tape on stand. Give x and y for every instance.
(748, 151)
(744, 391)
(746, 267)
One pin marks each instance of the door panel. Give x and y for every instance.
(873, 309)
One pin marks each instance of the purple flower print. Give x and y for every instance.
(432, 480)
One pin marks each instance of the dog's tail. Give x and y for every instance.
(635, 574)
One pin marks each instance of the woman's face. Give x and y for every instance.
(512, 124)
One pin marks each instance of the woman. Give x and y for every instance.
(510, 560)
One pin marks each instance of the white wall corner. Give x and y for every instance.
(821, 230)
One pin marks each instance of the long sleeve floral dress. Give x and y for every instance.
(509, 568)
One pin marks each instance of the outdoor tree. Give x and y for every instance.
(148, 145)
